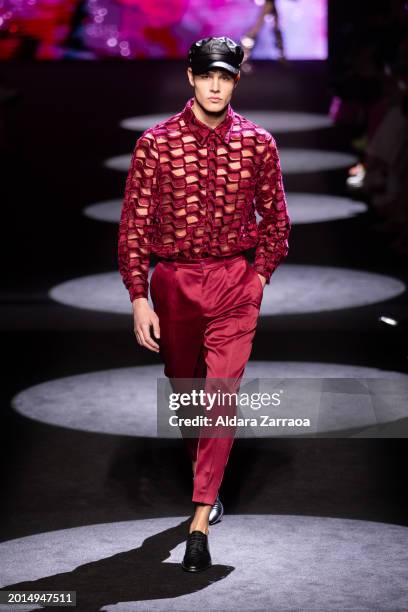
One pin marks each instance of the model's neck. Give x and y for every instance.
(211, 119)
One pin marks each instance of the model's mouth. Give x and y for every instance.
(215, 99)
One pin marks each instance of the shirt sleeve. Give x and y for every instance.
(138, 209)
(275, 225)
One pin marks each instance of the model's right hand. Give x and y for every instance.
(144, 317)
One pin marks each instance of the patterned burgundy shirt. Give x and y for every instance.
(192, 191)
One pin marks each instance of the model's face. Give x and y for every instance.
(213, 89)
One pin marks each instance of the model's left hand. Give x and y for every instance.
(263, 279)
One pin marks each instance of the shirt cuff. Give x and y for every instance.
(266, 273)
(137, 292)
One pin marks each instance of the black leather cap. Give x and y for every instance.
(215, 52)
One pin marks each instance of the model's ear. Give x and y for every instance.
(238, 76)
(190, 76)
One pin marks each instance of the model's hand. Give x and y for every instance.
(263, 279)
(144, 317)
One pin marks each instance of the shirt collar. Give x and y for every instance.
(202, 131)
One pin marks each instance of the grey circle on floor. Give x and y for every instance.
(302, 207)
(282, 563)
(274, 121)
(293, 161)
(124, 401)
(293, 289)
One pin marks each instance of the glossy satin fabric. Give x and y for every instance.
(193, 191)
(208, 312)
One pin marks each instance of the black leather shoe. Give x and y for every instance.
(197, 556)
(216, 511)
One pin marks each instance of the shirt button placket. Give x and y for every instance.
(211, 181)
(211, 164)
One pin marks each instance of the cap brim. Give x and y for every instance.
(215, 64)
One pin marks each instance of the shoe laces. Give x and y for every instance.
(196, 542)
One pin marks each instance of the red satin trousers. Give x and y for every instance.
(208, 310)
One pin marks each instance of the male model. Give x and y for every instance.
(192, 188)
